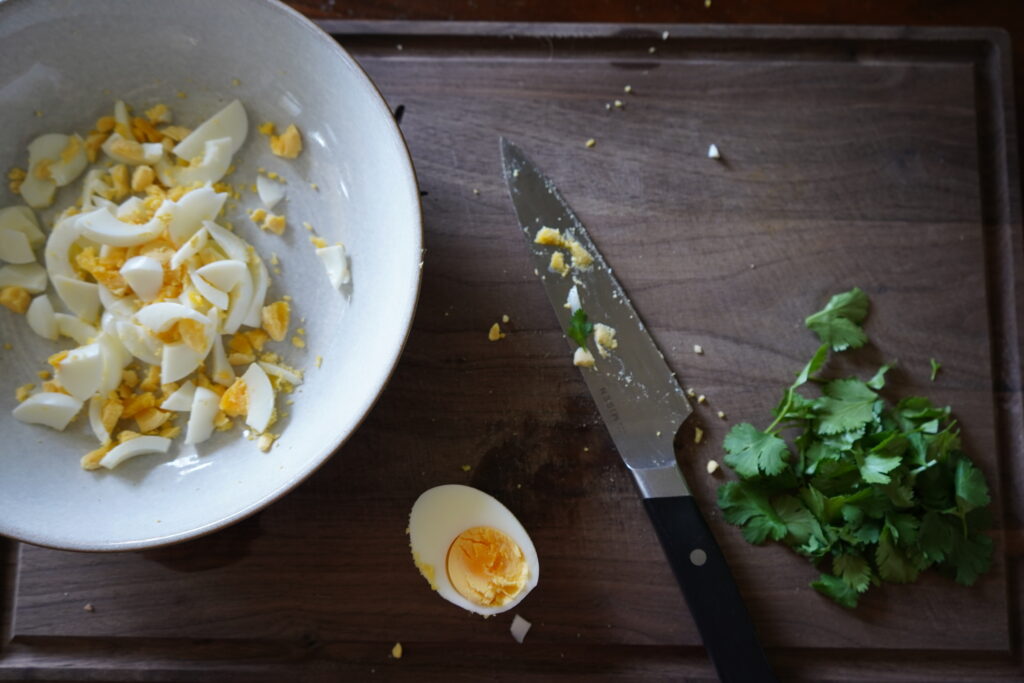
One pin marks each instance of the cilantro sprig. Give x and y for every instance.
(867, 490)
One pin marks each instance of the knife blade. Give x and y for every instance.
(642, 406)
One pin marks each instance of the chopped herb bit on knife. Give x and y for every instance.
(579, 327)
(936, 366)
(871, 491)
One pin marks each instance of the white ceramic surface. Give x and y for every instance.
(70, 60)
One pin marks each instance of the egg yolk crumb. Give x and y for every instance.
(486, 566)
(288, 144)
(235, 401)
(275, 319)
(16, 299)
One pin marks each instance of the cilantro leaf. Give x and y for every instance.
(875, 468)
(837, 589)
(970, 558)
(846, 405)
(854, 570)
(579, 327)
(838, 324)
(752, 452)
(800, 523)
(878, 381)
(936, 536)
(936, 366)
(893, 564)
(971, 489)
(745, 506)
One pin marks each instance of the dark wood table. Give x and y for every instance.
(903, 180)
(1005, 14)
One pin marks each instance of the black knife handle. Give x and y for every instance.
(710, 591)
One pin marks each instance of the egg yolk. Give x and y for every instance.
(487, 567)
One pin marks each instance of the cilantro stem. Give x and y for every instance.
(782, 412)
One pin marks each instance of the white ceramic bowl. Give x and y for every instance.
(69, 61)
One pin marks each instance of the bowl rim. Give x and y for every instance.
(317, 33)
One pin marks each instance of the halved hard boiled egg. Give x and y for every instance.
(471, 549)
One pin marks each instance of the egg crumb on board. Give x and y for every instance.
(712, 466)
(471, 549)
(495, 333)
(396, 651)
(153, 278)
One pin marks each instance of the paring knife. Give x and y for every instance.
(643, 407)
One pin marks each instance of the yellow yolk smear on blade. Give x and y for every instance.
(487, 567)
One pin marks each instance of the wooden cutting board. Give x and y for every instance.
(880, 158)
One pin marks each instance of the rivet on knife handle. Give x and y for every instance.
(642, 406)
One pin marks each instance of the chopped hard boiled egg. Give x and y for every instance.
(335, 263)
(53, 409)
(152, 277)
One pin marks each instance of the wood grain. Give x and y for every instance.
(878, 158)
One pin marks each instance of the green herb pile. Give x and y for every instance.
(867, 490)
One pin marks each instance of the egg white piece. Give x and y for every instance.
(57, 254)
(100, 225)
(335, 262)
(160, 316)
(438, 517)
(81, 371)
(241, 298)
(74, 328)
(140, 343)
(209, 168)
(121, 117)
(82, 298)
(115, 358)
(144, 275)
(178, 360)
(93, 186)
(572, 302)
(53, 409)
(15, 247)
(270, 191)
(230, 122)
(70, 162)
(223, 274)
(128, 207)
(287, 375)
(142, 445)
(261, 282)
(28, 276)
(234, 246)
(205, 404)
(260, 395)
(23, 219)
(38, 188)
(181, 400)
(96, 419)
(192, 210)
(221, 371)
(37, 192)
(190, 248)
(41, 318)
(127, 151)
(215, 296)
